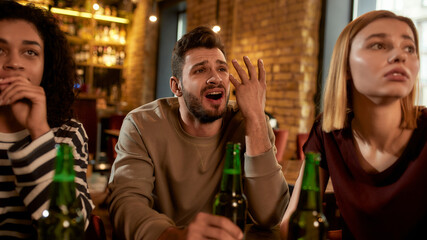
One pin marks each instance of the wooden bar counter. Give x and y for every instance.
(252, 232)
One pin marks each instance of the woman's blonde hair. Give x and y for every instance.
(337, 95)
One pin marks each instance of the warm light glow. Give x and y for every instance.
(45, 213)
(89, 15)
(216, 28)
(153, 18)
(71, 12)
(111, 19)
(96, 6)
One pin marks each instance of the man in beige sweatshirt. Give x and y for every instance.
(171, 151)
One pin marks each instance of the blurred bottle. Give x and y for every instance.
(114, 32)
(106, 34)
(113, 11)
(308, 220)
(122, 35)
(59, 3)
(230, 201)
(107, 11)
(95, 55)
(88, 6)
(100, 55)
(72, 28)
(64, 219)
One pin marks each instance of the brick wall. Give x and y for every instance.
(284, 33)
(141, 59)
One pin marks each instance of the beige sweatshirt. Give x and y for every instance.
(163, 177)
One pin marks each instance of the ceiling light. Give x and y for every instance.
(153, 18)
(216, 28)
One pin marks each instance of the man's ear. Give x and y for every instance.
(175, 86)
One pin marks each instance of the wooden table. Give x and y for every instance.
(253, 232)
(112, 132)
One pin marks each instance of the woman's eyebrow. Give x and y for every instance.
(29, 42)
(25, 42)
(378, 35)
(383, 35)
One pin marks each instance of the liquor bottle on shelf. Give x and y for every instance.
(230, 201)
(106, 34)
(81, 53)
(308, 220)
(84, 29)
(98, 33)
(59, 3)
(114, 32)
(64, 219)
(120, 57)
(114, 11)
(87, 6)
(107, 11)
(72, 28)
(100, 55)
(122, 35)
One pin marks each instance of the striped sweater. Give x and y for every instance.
(26, 173)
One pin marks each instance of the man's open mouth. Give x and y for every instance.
(214, 95)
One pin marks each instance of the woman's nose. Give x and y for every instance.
(396, 56)
(12, 63)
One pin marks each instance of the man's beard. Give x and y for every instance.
(195, 107)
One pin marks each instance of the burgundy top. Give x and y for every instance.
(391, 204)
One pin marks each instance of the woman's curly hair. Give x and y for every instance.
(59, 74)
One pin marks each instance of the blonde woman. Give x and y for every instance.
(371, 135)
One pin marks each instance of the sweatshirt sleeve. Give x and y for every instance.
(265, 187)
(33, 163)
(131, 185)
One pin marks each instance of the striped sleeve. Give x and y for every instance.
(33, 165)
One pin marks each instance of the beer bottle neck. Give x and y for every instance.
(232, 174)
(310, 190)
(63, 194)
(63, 186)
(231, 182)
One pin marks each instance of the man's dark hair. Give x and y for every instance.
(59, 75)
(198, 37)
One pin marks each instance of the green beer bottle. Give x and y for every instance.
(230, 202)
(308, 220)
(64, 219)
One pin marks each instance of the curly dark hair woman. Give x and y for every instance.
(37, 75)
(59, 74)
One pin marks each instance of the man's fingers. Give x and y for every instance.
(234, 81)
(215, 227)
(227, 225)
(250, 67)
(252, 71)
(261, 71)
(242, 73)
(218, 233)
